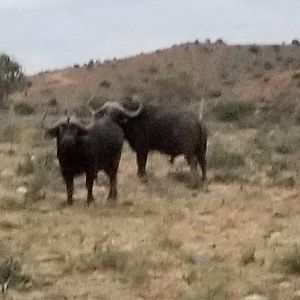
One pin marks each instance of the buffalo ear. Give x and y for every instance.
(52, 132)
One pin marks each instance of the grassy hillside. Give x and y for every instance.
(163, 239)
(187, 72)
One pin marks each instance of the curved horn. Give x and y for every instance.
(111, 105)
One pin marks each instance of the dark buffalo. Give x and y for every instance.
(149, 127)
(90, 149)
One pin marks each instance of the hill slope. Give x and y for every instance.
(185, 72)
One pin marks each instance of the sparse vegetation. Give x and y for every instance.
(11, 275)
(132, 266)
(291, 263)
(233, 111)
(219, 158)
(23, 108)
(163, 239)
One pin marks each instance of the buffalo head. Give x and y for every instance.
(67, 131)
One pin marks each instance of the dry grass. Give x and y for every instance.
(163, 239)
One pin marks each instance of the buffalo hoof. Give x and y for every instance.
(112, 198)
(205, 187)
(89, 203)
(90, 200)
(143, 179)
(111, 202)
(67, 204)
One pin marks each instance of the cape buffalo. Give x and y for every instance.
(88, 149)
(149, 127)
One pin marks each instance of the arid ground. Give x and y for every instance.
(162, 239)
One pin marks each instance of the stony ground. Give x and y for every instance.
(162, 240)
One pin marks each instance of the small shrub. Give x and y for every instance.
(291, 262)
(228, 176)
(295, 42)
(105, 84)
(214, 291)
(26, 167)
(133, 267)
(280, 110)
(219, 42)
(218, 158)
(248, 255)
(11, 275)
(268, 66)
(276, 49)
(9, 133)
(153, 70)
(296, 75)
(40, 169)
(254, 49)
(23, 108)
(191, 277)
(215, 93)
(52, 102)
(46, 92)
(168, 243)
(76, 66)
(233, 110)
(171, 88)
(90, 64)
(288, 61)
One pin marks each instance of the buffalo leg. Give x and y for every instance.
(202, 162)
(172, 160)
(192, 161)
(113, 187)
(141, 158)
(70, 189)
(112, 173)
(89, 186)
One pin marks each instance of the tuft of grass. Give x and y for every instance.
(282, 110)
(130, 265)
(11, 275)
(167, 243)
(26, 167)
(219, 158)
(105, 84)
(291, 263)
(247, 255)
(9, 133)
(216, 291)
(23, 108)
(233, 110)
(39, 170)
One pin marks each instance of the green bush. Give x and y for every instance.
(23, 108)
(133, 267)
(219, 158)
(11, 274)
(233, 110)
(291, 262)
